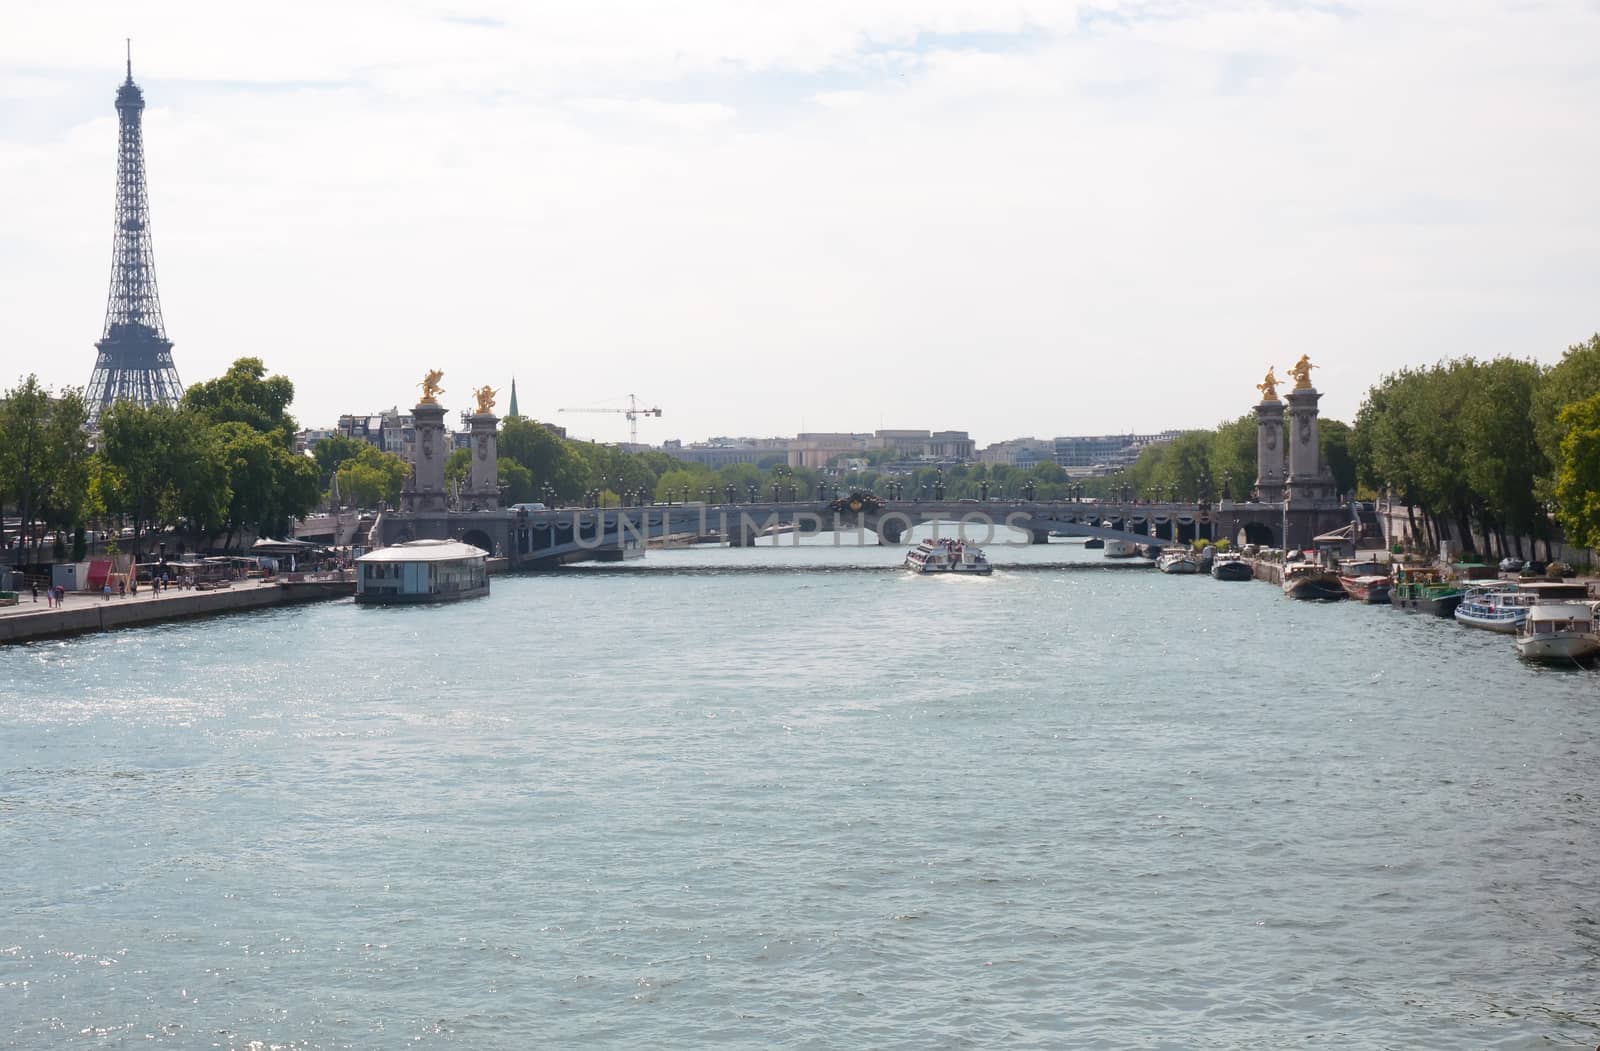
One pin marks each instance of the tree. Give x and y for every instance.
(246, 394)
(1334, 438)
(458, 467)
(516, 482)
(547, 456)
(373, 478)
(1575, 378)
(142, 449)
(1577, 484)
(1232, 456)
(332, 451)
(267, 484)
(44, 454)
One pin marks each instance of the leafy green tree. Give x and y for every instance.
(44, 454)
(1333, 439)
(246, 394)
(267, 484)
(1575, 378)
(516, 481)
(1232, 456)
(1577, 486)
(142, 449)
(458, 467)
(332, 451)
(373, 478)
(550, 458)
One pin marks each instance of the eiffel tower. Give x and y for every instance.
(135, 361)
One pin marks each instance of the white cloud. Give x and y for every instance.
(1020, 220)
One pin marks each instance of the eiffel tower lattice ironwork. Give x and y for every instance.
(135, 361)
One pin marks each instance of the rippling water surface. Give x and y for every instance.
(685, 803)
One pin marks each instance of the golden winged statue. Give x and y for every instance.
(485, 395)
(1268, 386)
(1301, 371)
(430, 387)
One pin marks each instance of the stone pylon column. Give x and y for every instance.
(425, 490)
(1271, 466)
(1309, 479)
(485, 483)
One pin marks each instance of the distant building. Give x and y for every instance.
(1106, 452)
(1018, 452)
(716, 453)
(956, 446)
(307, 440)
(814, 449)
(392, 431)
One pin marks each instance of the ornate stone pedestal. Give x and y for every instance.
(425, 489)
(1270, 459)
(483, 491)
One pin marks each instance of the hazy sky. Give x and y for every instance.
(1010, 218)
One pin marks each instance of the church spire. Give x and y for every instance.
(512, 412)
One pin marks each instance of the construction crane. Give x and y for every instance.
(632, 412)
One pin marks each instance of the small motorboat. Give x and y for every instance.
(1562, 631)
(1121, 549)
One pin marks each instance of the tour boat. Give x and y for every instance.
(1500, 606)
(1121, 549)
(1230, 565)
(944, 555)
(1558, 632)
(1307, 580)
(1423, 589)
(1178, 560)
(1366, 581)
(422, 571)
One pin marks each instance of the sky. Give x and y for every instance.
(1011, 218)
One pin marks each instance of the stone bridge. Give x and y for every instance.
(554, 537)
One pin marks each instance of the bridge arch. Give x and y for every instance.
(478, 538)
(1259, 533)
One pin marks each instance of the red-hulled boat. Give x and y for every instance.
(1366, 581)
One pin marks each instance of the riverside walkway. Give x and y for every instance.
(83, 612)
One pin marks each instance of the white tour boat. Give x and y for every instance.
(944, 555)
(1495, 606)
(1558, 632)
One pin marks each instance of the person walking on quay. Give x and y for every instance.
(35, 591)
(106, 587)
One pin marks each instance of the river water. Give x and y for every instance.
(792, 798)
